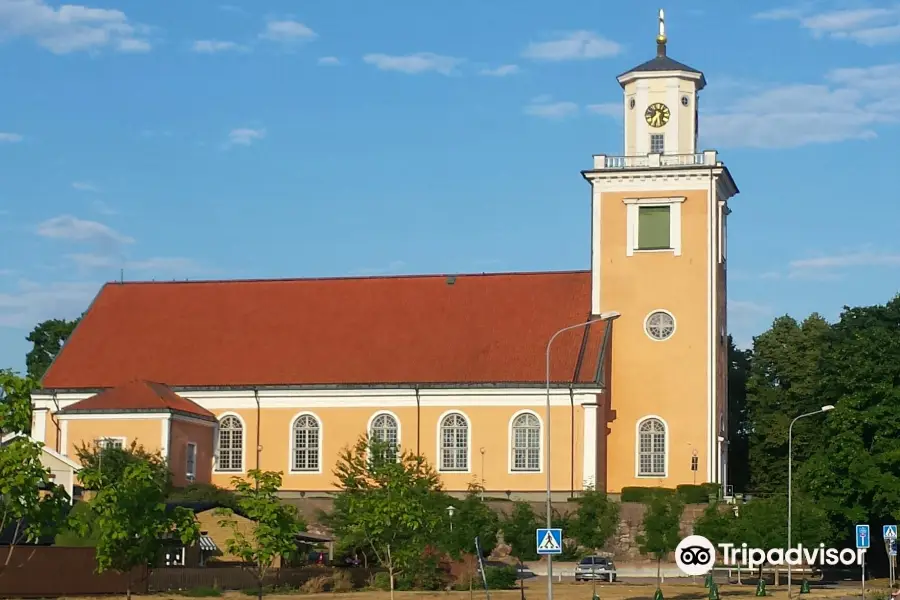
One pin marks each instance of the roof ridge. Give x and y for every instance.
(347, 278)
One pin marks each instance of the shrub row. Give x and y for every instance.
(689, 494)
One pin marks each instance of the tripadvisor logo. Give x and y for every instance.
(696, 555)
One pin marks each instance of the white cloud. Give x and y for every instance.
(329, 61)
(84, 186)
(288, 31)
(67, 227)
(848, 104)
(576, 45)
(10, 138)
(864, 25)
(71, 27)
(501, 71)
(607, 109)
(413, 64)
(32, 302)
(245, 136)
(215, 46)
(545, 107)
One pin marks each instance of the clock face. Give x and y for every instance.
(657, 114)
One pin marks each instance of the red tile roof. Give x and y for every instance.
(139, 396)
(437, 329)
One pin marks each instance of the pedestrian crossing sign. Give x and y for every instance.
(549, 541)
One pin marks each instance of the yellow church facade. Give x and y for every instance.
(226, 376)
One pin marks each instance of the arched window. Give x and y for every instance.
(651, 448)
(526, 443)
(385, 429)
(231, 444)
(454, 443)
(305, 444)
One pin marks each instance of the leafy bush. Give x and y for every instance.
(692, 494)
(518, 531)
(381, 581)
(200, 592)
(644, 495)
(570, 551)
(501, 578)
(341, 581)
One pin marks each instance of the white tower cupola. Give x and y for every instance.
(660, 98)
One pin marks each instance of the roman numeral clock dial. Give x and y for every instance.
(657, 114)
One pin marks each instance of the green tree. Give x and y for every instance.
(471, 517)
(275, 529)
(595, 520)
(783, 382)
(31, 505)
(131, 520)
(205, 492)
(661, 529)
(738, 416)
(109, 463)
(855, 472)
(518, 531)
(15, 402)
(47, 340)
(717, 524)
(387, 504)
(77, 536)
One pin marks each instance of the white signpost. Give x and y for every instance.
(889, 533)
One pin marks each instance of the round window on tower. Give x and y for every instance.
(631, 103)
(659, 325)
(685, 100)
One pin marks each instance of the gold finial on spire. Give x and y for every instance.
(661, 39)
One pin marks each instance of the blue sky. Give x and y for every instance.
(322, 138)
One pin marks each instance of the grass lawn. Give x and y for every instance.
(536, 590)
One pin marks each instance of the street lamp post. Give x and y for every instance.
(824, 409)
(606, 316)
(450, 510)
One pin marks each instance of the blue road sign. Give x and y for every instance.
(549, 541)
(889, 532)
(862, 536)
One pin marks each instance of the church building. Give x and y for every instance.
(223, 377)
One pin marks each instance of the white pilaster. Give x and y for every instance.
(642, 130)
(39, 424)
(590, 445)
(165, 435)
(673, 101)
(64, 437)
(596, 247)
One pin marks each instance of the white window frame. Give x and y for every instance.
(632, 206)
(218, 462)
(512, 449)
(440, 442)
(386, 413)
(637, 448)
(190, 470)
(647, 321)
(292, 445)
(650, 143)
(103, 442)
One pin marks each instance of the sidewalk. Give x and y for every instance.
(623, 571)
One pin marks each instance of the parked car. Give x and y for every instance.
(595, 567)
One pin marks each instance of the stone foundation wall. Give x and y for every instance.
(622, 546)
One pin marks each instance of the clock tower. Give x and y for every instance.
(661, 103)
(658, 257)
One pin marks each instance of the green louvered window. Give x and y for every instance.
(653, 228)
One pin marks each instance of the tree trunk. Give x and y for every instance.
(259, 588)
(658, 570)
(128, 585)
(390, 567)
(15, 540)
